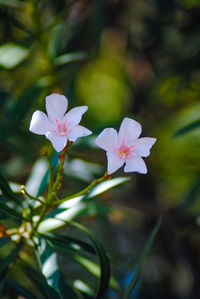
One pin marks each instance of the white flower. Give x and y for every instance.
(125, 147)
(57, 126)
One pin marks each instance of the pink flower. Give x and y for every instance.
(125, 147)
(57, 126)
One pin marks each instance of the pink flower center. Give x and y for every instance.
(124, 151)
(61, 128)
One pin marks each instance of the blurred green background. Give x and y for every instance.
(138, 59)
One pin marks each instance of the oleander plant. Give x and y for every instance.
(90, 208)
(36, 217)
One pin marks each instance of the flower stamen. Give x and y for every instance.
(124, 151)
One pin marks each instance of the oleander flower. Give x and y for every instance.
(57, 126)
(125, 147)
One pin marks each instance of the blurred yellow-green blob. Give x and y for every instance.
(102, 85)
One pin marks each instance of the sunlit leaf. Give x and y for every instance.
(11, 55)
(102, 187)
(102, 270)
(68, 242)
(77, 205)
(84, 288)
(142, 259)
(70, 57)
(49, 264)
(56, 284)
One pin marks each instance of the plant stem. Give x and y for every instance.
(24, 191)
(53, 188)
(86, 190)
(58, 182)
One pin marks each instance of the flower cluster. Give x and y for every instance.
(123, 147)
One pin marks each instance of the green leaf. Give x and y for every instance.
(6, 190)
(105, 273)
(55, 282)
(68, 242)
(66, 290)
(12, 213)
(76, 205)
(6, 262)
(35, 276)
(102, 271)
(142, 259)
(49, 264)
(104, 186)
(83, 288)
(194, 125)
(70, 57)
(19, 289)
(11, 55)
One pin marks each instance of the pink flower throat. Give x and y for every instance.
(124, 151)
(61, 128)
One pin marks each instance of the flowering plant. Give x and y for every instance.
(38, 215)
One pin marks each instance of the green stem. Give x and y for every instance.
(24, 191)
(86, 190)
(58, 182)
(53, 188)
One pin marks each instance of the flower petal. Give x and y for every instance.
(39, 123)
(56, 106)
(135, 164)
(73, 117)
(107, 139)
(114, 162)
(58, 142)
(142, 146)
(78, 131)
(129, 130)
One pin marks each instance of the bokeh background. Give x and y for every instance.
(122, 58)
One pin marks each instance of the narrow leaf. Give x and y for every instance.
(49, 264)
(194, 125)
(55, 282)
(12, 213)
(69, 57)
(6, 190)
(105, 272)
(68, 242)
(73, 207)
(6, 262)
(142, 259)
